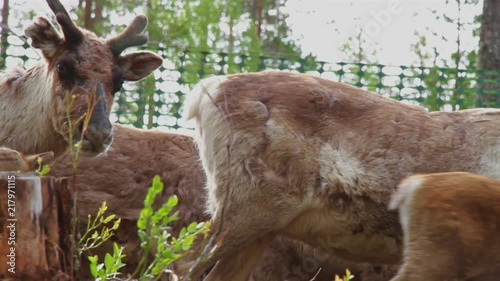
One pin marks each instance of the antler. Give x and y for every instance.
(57, 7)
(131, 36)
(72, 34)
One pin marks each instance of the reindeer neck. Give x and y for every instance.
(26, 112)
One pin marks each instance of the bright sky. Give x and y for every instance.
(389, 24)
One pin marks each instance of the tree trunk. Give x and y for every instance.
(87, 15)
(98, 18)
(93, 15)
(258, 15)
(4, 34)
(35, 227)
(489, 56)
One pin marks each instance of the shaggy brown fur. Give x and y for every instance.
(451, 223)
(121, 178)
(316, 160)
(79, 75)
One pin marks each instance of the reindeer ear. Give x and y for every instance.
(44, 37)
(137, 65)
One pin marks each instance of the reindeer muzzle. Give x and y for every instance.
(98, 131)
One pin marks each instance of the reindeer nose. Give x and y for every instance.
(99, 133)
(99, 114)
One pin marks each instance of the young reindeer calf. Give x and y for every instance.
(451, 226)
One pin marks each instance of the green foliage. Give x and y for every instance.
(108, 270)
(358, 73)
(453, 84)
(99, 17)
(190, 34)
(99, 229)
(190, 29)
(42, 170)
(155, 236)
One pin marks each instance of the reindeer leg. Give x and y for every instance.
(427, 261)
(240, 245)
(244, 233)
(238, 266)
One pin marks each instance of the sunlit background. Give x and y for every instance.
(322, 27)
(419, 52)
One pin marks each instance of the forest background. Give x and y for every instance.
(440, 54)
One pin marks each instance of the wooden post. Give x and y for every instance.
(35, 225)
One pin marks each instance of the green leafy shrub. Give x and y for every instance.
(154, 233)
(109, 269)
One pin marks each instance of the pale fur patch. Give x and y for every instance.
(203, 92)
(405, 189)
(402, 198)
(29, 135)
(339, 168)
(199, 104)
(490, 163)
(7, 79)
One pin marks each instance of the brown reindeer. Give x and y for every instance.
(121, 178)
(12, 160)
(317, 160)
(79, 75)
(451, 226)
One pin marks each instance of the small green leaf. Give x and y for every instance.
(142, 234)
(157, 185)
(192, 227)
(172, 201)
(160, 247)
(93, 265)
(116, 224)
(188, 241)
(116, 248)
(45, 170)
(183, 232)
(108, 261)
(109, 218)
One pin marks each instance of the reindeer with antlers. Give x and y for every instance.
(77, 78)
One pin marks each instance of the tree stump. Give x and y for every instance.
(35, 225)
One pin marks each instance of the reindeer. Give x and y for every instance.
(11, 160)
(451, 223)
(135, 156)
(79, 75)
(316, 160)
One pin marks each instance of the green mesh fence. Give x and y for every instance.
(157, 100)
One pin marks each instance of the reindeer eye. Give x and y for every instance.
(61, 68)
(66, 72)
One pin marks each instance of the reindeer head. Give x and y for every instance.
(84, 73)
